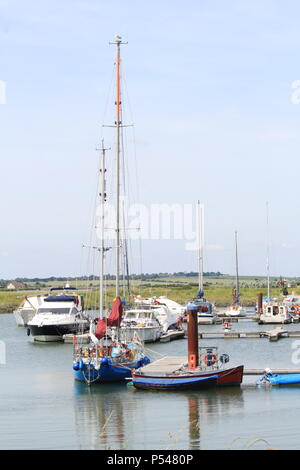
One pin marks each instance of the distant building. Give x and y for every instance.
(15, 285)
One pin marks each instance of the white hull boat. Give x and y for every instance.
(234, 311)
(274, 313)
(144, 322)
(57, 316)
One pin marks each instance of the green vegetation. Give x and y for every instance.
(178, 287)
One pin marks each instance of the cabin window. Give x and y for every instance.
(54, 310)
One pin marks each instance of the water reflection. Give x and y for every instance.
(113, 416)
(99, 415)
(207, 406)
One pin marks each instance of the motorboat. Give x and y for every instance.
(60, 313)
(166, 310)
(27, 309)
(173, 306)
(274, 312)
(293, 304)
(148, 323)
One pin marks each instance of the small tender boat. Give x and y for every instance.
(226, 325)
(279, 379)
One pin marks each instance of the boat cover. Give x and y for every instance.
(284, 379)
(59, 298)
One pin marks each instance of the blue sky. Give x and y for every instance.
(209, 88)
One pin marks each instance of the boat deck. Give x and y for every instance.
(165, 365)
(170, 364)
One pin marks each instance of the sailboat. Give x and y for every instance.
(273, 311)
(235, 309)
(109, 358)
(206, 313)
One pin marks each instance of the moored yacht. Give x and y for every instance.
(274, 312)
(59, 313)
(173, 306)
(144, 322)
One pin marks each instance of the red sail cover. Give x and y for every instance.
(115, 316)
(100, 329)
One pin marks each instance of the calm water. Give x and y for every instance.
(42, 407)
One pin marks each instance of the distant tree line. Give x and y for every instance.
(110, 277)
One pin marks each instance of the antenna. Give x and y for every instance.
(268, 251)
(237, 270)
(200, 249)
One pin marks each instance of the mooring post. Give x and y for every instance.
(192, 333)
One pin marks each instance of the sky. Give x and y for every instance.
(211, 89)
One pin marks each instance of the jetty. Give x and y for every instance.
(274, 371)
(172, 335)
(171, 365)
(273, 335)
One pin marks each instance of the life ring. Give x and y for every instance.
(210, 359)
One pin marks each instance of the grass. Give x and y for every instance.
(181, 290)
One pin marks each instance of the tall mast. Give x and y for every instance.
(200, 249)
(268, 252)
(237, 270)
(118, 124)
(102, 250)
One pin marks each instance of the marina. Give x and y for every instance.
(150, 285)
(114, 414)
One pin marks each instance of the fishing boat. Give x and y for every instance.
(204, 368)
(27, 309)
(206, 311)
(108, 358)
(59, 313)
(278, 379)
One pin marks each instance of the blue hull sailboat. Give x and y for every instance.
(108, 358)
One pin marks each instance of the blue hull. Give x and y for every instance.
(108, 372)
(284, 379)
(161, 383)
